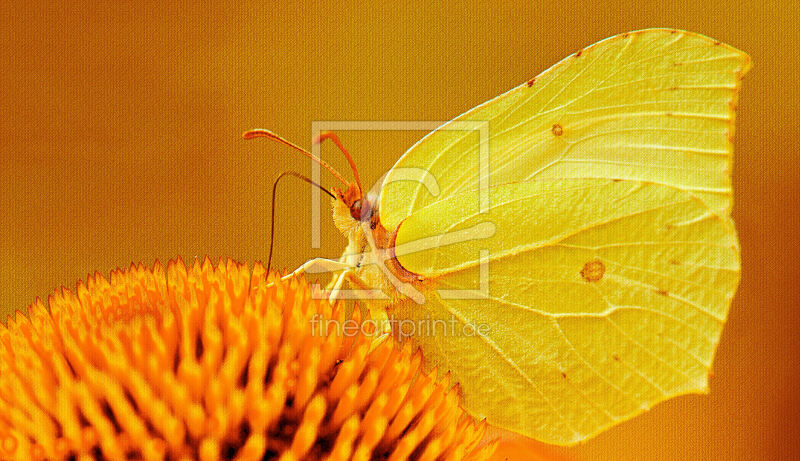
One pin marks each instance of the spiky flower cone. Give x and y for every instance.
(215, 362)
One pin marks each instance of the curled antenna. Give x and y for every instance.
(272, 213)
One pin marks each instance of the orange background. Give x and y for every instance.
(120, 141)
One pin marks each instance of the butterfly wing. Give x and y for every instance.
(654, 105)
(612, 259)
(590, 301)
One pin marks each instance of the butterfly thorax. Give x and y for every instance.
(369, 245)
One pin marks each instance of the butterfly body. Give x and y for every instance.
(370, 248)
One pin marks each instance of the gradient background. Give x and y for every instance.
(120, 142)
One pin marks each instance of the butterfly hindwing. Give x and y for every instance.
(591, 301)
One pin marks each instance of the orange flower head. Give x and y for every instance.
(216, 362)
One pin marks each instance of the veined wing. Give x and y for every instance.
(654, 105)
(593, 300)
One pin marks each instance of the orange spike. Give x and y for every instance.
(214, 349)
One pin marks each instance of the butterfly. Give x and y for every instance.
(565, 251)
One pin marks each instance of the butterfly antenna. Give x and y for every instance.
(332, 136)
(261, 133)
(272, 213)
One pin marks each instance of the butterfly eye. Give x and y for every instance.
(355, 210)
(361, 210)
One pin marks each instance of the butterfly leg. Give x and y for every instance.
(337, 284)
(378, 317)
(318, 266)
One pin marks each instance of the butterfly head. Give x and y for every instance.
(353, 200)
(354, 207)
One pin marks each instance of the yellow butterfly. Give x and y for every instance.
(565, 251)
